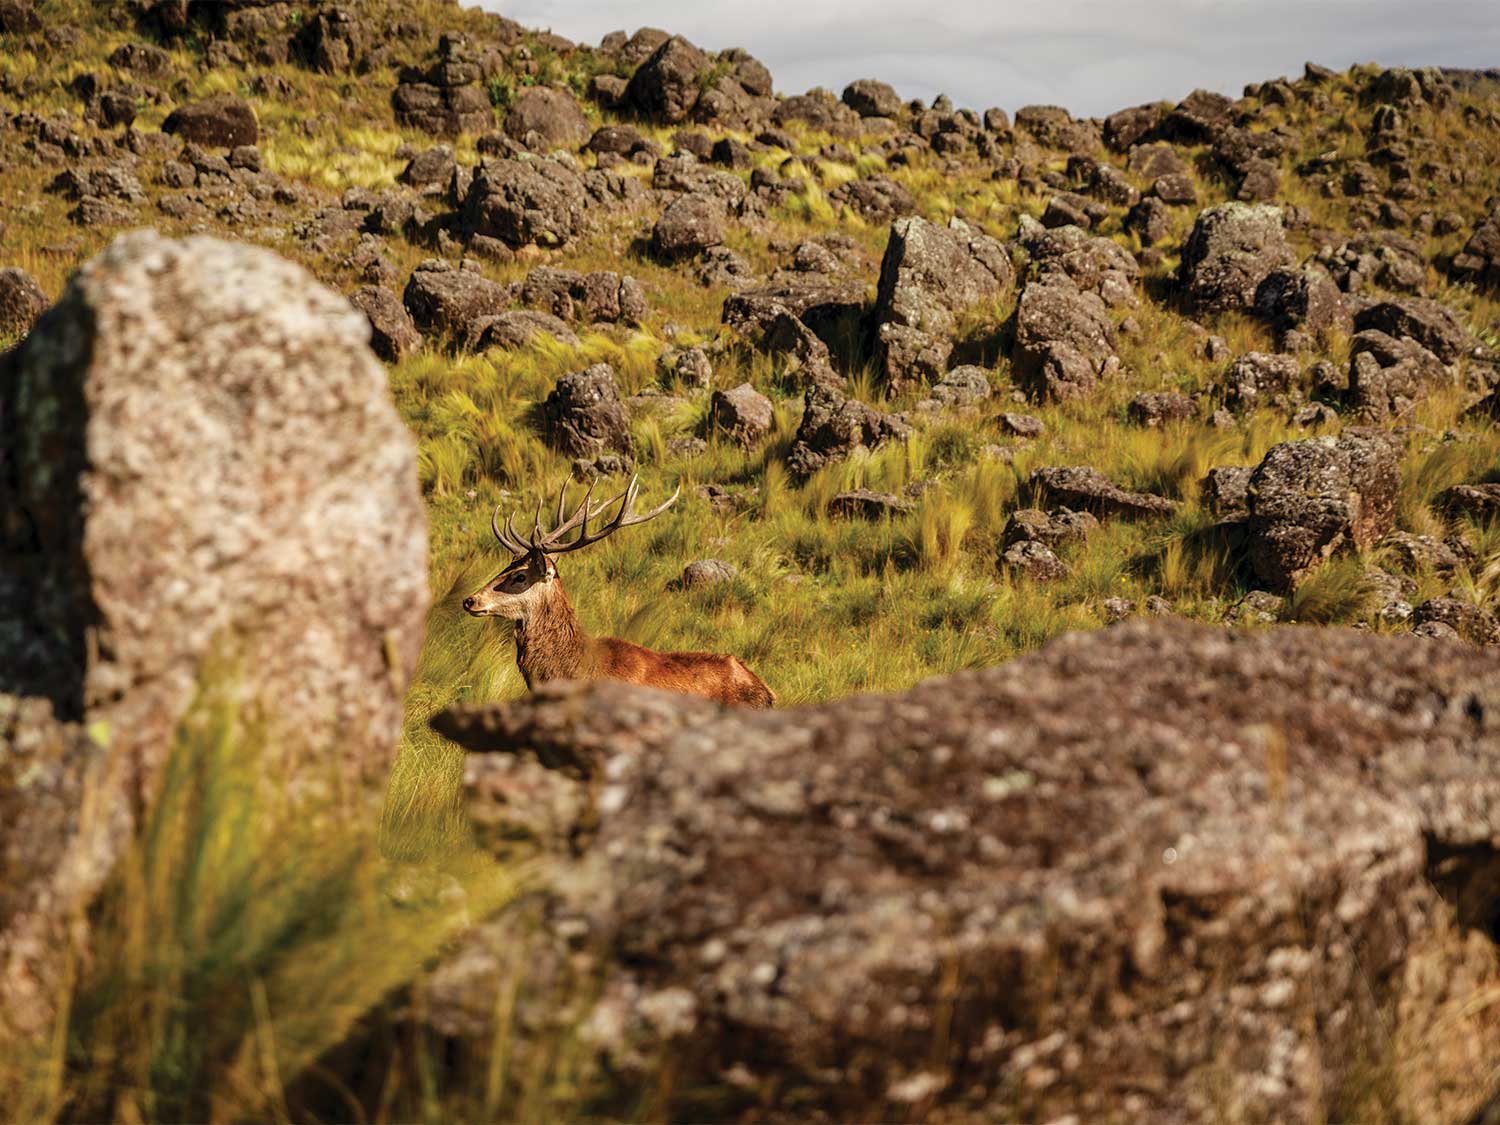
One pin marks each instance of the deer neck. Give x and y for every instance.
(550, 644)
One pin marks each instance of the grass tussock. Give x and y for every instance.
(240, 938)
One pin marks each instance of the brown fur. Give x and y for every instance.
(552, 645)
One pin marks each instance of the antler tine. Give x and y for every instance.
(622, 518)
(507, 536)
(562, 498)
(510, 529)
(536, 525)
(580, 515)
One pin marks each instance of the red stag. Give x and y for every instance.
(550, 643)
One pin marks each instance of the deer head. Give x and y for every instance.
(524, 588)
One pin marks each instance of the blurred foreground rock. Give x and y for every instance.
(200, 467)
(1253, 878)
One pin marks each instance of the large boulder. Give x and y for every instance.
(667, 85)
(1064, 341)
(1232, 249)
(525, 202)
(929, 275)
(833, 427)
(1310, 499)
(583, 415)
(21, 302)
(1160, 872)
(871, 98)
(201, 472)
(689, 225)
(543, 117)
(222, 121)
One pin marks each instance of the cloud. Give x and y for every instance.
(1092, 56)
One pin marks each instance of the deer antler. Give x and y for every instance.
(551, 543)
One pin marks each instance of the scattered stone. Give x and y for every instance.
(1150, 220)
(1256, 378)
(602, 296)
(1479, 261)
(515, 329)
(1091, 264)
(525, 202)
(1258, 607)
(743, 414)
(1415, 553)
(833, 427)
(21, 302)
(583, 415)
(707, 572)
(690, 365)
(1021, 425)
(446, 99)
(332, 39)
(1032, 560)
(1309, 499)
(666, 87)
(876, 199)
(870, 98)
(1064, 342)
(431, 168)
(1388, 377)
(1470, 622)
(543, 118)
(1304, 301)
(1055, 529)
(689, 225)
(1158, 408)
(1430, 324)
(444, 300)
(1083, 488)
(393, 335)
(1478, 501)
(223, 121)
(861, 503)
(963, 387)
(1226, 489)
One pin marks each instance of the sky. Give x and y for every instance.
(1092, 56)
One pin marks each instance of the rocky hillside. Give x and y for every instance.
(940, 384)
(1259, 329)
